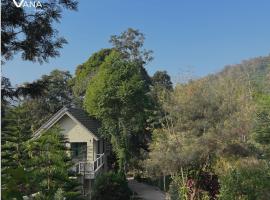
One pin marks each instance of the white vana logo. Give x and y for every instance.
(29, 4)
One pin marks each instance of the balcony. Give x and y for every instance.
(89, 170)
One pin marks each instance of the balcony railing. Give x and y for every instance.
(90, 169)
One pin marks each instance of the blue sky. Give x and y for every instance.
(185, 35)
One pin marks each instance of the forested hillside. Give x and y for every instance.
(215, 137)
(256, 69)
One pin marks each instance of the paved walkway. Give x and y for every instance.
(144, 191)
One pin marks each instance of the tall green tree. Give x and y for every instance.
(7, 95)
(56, 94)
(161, 88)
(130, 44)
(85, 72)
(7, 92)
(16, 176)
(162, 79)
(119, 96)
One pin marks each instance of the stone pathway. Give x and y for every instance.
(144, 191)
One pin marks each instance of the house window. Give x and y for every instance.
(79, 150)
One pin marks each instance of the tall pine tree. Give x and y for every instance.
(16, 181)
(52, 164)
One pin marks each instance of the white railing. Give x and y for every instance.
(89, 169)
(98, 163)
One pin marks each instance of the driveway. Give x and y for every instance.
(144, 191)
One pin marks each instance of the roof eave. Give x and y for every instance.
(55, 118)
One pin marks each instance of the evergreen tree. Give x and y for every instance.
(52, 165)
(16, 178)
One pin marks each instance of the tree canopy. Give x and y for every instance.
(216, 126)
(130, 44)
(56, 94)
(32, 33)
(162, 79)
(30, 166)
(118, 96)
(85, 72)
(14, 158)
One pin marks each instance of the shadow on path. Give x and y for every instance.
(144, 191)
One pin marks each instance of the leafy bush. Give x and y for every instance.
(174, 191)
(203, 187)
(248, 179)
(111, 186)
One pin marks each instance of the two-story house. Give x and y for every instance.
(88, 149)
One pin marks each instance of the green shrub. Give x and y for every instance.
(174, 191)
(248, 180)
(111, 186)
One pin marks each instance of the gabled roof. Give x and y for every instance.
(78, 115)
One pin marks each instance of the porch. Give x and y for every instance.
(89, 170)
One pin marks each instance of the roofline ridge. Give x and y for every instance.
(59, 114)
(64, 109)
